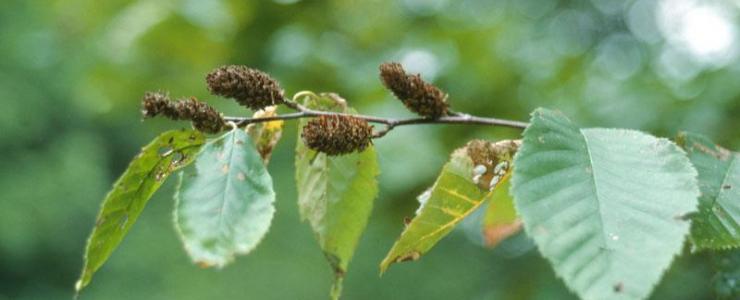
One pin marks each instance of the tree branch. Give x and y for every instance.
(390, 123)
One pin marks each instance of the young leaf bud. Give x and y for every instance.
(417, 95)
(250, 87)
(337, 134)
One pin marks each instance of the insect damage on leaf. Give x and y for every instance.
(462, 186)
(492, 161)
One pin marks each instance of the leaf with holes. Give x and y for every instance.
(335, 195)
(470, 177)
(717, 225)
(606, 207)
(224, 201)
(125, 202)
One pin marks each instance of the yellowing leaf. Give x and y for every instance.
(267, 134)
(470, 177)
(500, 220)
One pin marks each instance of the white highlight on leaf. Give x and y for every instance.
(479, 170)
(423, 199)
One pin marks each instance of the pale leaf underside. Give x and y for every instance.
(224, 202)
(606, 207)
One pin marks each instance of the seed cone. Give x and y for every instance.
(204, 117)
(250, 87)
(156, 103)
(417, 95)
(337, 134)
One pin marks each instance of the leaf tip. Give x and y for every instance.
(410, 256)
(79, 285)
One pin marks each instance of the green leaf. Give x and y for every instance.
(606, 207)
(335, 195)
(500, 220)
(727, 280)
(125, 202)
(717, 225)
(224, 201)
(473, 173)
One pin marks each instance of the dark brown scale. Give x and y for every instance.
(250, 87)
(417, 95)
(204, 117)
(337, 134)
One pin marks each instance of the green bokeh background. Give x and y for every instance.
(72, 73)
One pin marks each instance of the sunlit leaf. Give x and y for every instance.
(335, 195)
(606, 207)
(473, 173)
(125, 202)
(717, 225)
(224, 201)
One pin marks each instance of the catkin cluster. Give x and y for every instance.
(204, 117)
(337, 134)
(250, 87)
(417, 95)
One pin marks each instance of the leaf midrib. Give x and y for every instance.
(600, 209)
(227, 183)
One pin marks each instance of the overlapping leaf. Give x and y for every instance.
(606, 207)
(266, 134)
(727, 279)
(500, 220)
(470, 177)
(335, 195)
(125, 202)
(224, 202)
(717, 225)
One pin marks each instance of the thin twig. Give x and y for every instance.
(390, 123)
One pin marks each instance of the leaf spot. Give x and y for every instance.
(619, 287)
(409, 257)
(225, 169)
(240, 176)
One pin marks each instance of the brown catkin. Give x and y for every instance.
(204, 117)
(337, 134)
(157, 103)
(417, 95)
(250, 87)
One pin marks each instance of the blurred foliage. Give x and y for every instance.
(72, 73)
